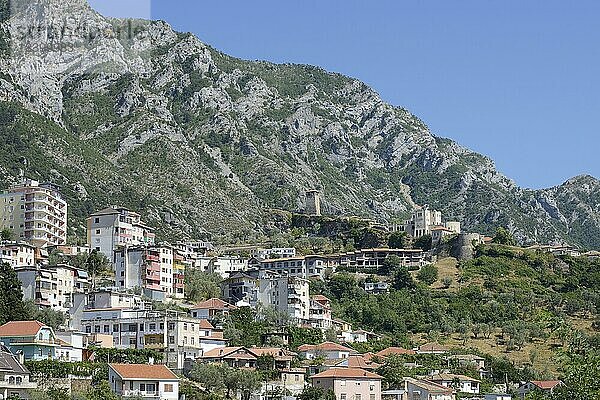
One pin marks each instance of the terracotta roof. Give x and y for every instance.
(20, 328)
(546, 384)
(326, 346)
(394, 350)
(346, 373)
(143, 371)
(214, 304)
(358, 361)
(220, 352)
(431, 387)
(276, 352)
(320, 298)
(433, 347)
(204, 324)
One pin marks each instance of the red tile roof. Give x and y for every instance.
(394, 350)
(214, 304)
(320, 298)
(326, 346)
(204, 324)
(346, 373)
(358, 361)
(546, 384)
(433, 347)
(143, 371)
(20, 328)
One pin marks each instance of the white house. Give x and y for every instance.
(462, 383)
(329, 350)
(145, 381)
(423, 389)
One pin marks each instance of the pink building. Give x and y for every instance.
(350, 383)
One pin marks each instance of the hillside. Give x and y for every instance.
(204, 144)
(507, 302)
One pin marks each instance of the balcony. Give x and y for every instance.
(155, 346)
(139, 393)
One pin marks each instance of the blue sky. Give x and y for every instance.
(516, 80)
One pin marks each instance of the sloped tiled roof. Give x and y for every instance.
(204, 324)
(346, 373)
(143, 371)
(449, 378)
(546, 384)
(20, 328)
(358, 361)
(431, 387)
(433, 347)
(326, 346)
(394, 350)
(214, 304)
(220, 352)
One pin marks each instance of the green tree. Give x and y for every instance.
(316, 393)
(201, 285)
(210, 376)
(389, 264)
(96, 263)
(423, 243)
(504, 237)
(12, 307)
(582, 378)
(6, 234)
(402, 279)
(399, 240)
(428, 274)
(101, 391)
(48, 316)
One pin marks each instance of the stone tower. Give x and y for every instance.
(313, 202)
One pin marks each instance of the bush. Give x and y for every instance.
(428, 274)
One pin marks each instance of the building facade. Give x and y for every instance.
(36, 213)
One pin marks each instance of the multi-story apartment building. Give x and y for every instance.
(17, 254)
(52, 286)
(274, 252)
(177, 335)
(320, 312)
(35, 212)
(302, 267)
(287, 294)
(180, 263)
(241, 288)
(370, 260)
(151, 269)
(227, 265)
(115, 227)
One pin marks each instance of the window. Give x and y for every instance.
(168, 387)
(97, 231)
(343, 382)
(96, 220)
(171, 339)
(357, 396)
(142, 387)
(371, 397)
(97, 329)
(116, 328)
(342, 396)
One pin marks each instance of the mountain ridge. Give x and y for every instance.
(202, 142)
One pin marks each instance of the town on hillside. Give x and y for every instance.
(126, 315)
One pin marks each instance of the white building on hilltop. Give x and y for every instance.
(424, 220)
(35, 212)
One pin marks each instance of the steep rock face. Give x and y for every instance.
(203, 142)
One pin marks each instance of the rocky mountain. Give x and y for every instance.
(131, 112)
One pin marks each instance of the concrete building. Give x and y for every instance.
(115, 227)
(52, 286)
(426, 390)
(349, 383)
(424, 219)
(312, 266)
(287, 294)
(371, 260)
(274, 252)
(34, 340)
(178, 336)
(157, 270)
(72, 346)
(313, 202)
(17, 254)
(14, 377)
(464, 383)
(329, 350)
(320, 313)
(143, 381)
(241, 289)
(212, 309)
(36, 213)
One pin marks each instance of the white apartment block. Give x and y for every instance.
(52, 287)
(17, 254)
(177, 335)
(301, 267)
(35, 212)
(289, 295)
(274, 252)
(115, 227)
(158, 270)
